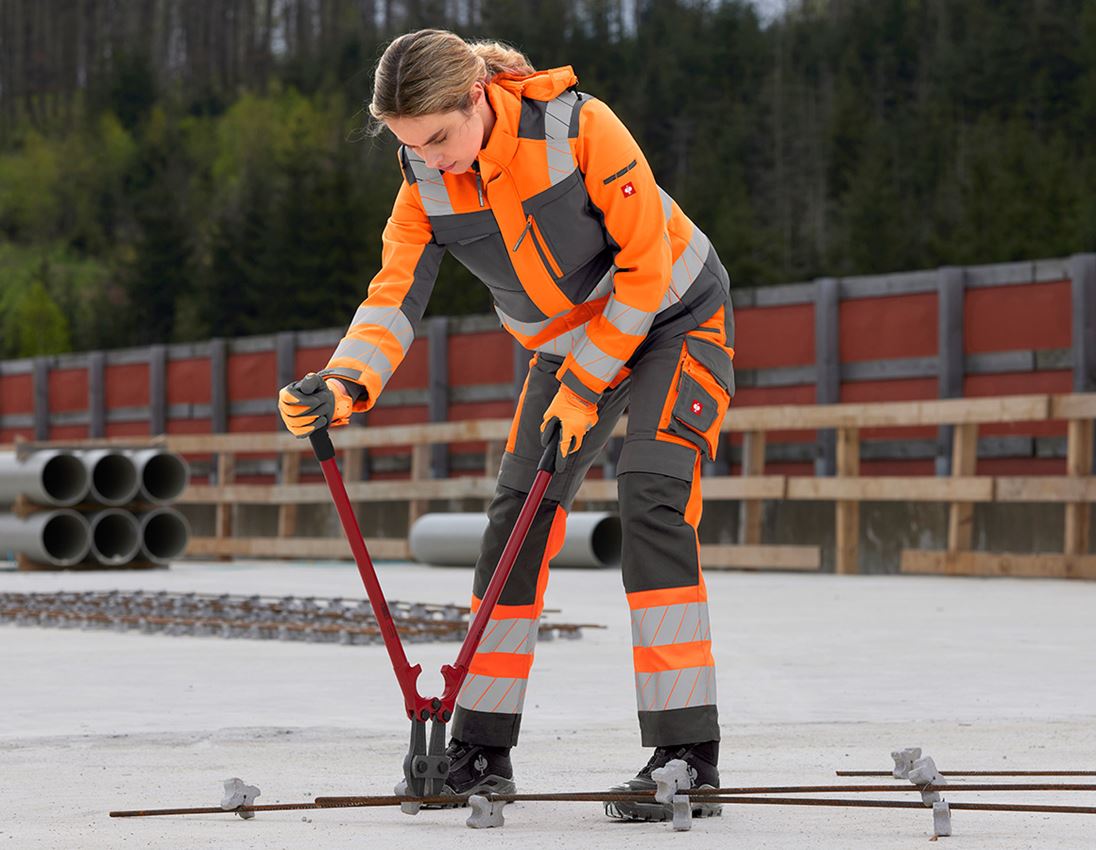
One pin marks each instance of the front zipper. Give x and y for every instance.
(546, 259)
(479, 187)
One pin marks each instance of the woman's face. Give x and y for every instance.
(448, 141)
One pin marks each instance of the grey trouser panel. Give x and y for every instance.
(658, 484)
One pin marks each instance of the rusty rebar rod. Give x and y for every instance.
(606, 797)
(976, 773)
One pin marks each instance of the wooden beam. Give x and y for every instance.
(847, 511)
(888, 488)
(1073, 406)
(420, 473)
(1020, 408)
(760, 557)
(1045, 488)
(750, 511)
(287, 511)
(223, 514)
(1041, 565)
(308, 548)
(964, 460)
(1078, 465)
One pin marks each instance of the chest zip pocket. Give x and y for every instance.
(546, 258)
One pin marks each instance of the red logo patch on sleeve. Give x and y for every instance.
(698, 408)
(627, 190)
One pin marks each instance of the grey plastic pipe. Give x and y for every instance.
(60, 538)
(592, 539)
(164, 534)
(162, 476)
(48, 477)
(115, 536)
(113, 476)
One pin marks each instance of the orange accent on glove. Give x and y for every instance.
(312, 403)
(576, 416)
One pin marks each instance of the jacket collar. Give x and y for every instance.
(504, 93)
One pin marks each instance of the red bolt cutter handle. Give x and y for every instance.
(419, 707)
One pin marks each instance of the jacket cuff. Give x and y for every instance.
(569, 378)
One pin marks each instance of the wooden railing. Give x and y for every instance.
(962, 489)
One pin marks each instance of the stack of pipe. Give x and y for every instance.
(104, 507)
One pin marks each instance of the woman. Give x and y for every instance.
(543, 194)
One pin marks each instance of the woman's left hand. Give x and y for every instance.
(576, 416)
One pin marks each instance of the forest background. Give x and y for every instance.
(175, 170)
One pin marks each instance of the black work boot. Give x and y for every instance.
(476, 769)
(701, 760)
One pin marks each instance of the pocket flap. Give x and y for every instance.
(712, 357)
(463, 228)
(695, 406)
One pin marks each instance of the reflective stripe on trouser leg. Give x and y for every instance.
(490, 702)
(671, 631)
(658, 477)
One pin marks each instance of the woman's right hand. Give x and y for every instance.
(313, 403)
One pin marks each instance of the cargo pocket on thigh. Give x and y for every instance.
(703, 395)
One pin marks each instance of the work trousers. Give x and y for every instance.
(677, 391)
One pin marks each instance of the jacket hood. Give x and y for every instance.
(540, 85)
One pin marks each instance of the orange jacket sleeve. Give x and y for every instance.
(621, 185)
(383, 327)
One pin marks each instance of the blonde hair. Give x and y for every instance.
(432, 71)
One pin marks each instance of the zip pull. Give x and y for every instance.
(525, 232)
(479, 187)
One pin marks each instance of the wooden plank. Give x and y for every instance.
(888, 488)
(1020, 408)
(420, 472)
(847, 511)
(1040, 565)
(751, 511)
(307, 548)
(1073, 406)
(760, 557)
(318, 494)
(964, 460)
(287, 511)
(226, 474)
(1045, 488)
(1078, 465)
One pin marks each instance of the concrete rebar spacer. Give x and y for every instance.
(941, 818)
(924, 773)
(671, 779)
(903, 761)
(486, 813)
(238, 793)
(683, 813)
(401, 791)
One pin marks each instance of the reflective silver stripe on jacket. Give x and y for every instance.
(391, 319)
(531, 329)
(557, 124)
(627, 320)
(367, 354)
(602, 366)
(687, 268)
(672, 689)
(435, 197)
(660, 625)
(488, 693)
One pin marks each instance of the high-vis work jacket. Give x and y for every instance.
(585, 256)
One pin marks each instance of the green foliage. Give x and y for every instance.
(226, 191)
